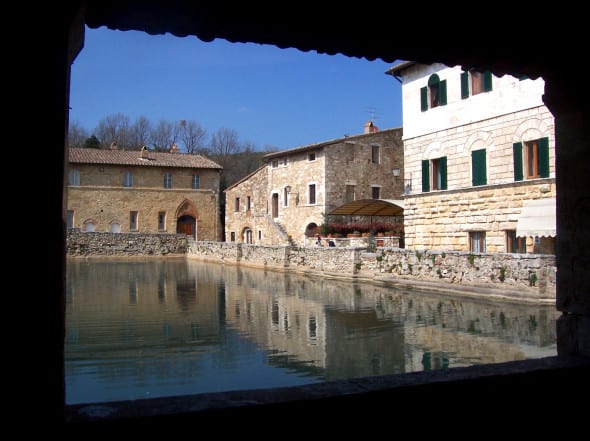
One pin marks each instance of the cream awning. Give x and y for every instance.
(537, 219)
(371, 207)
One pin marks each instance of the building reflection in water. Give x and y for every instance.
(163, 327)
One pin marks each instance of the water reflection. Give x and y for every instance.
(163, 327)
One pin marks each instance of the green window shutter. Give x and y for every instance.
(443, 173)
(464, 85)
(517, 155)
(544, 157)
(424, 98)
(487, 81)
(442, 90)
(478, 167)
(425, 176)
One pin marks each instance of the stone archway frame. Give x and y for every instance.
(479, 140)
(186, 208)
(434, 150)
(532, 128)
(243, 231)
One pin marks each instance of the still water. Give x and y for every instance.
(167, 327)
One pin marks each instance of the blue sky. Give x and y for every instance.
(282, 98)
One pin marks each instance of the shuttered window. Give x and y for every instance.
(517, 157)
(433, 95)
(531, 160)
(478, 167)
(434, 174)
(474, 82)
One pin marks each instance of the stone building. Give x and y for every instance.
(479, 161)
(143, 191)
(287, 198)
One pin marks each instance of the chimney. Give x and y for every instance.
(370, 127)
(114, 146)
(144, 152)
(174, 149)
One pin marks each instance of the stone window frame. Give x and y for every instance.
(477, 241)
(161, 221)
(168, 180)
(196, 181)
(70, 217)
(127, 179)
(134, 220)
(74, 177)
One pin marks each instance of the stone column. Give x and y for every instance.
(568, 101)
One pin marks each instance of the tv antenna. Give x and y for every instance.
(372, 111)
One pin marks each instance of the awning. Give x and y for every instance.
(371, 207)
(537, 219)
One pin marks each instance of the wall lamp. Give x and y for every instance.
(288, 189)
(395, 172)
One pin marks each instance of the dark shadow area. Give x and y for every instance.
(533, 395)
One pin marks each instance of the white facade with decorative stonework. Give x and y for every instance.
(496, 124)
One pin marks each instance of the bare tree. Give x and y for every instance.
(114, 128)
(164, 135)
(224, 142)
(140, 132)
(77, 135)
(193, 136)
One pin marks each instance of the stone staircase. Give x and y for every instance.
(282, 231)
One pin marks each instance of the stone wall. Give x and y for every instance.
(79, 244)
(442, 219)
(102, 200)
(280, 192)
(530, 277)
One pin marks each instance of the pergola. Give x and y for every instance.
(371, 207)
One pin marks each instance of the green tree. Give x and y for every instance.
(92, 143)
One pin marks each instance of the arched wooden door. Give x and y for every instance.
(186, 225)
(248, 238)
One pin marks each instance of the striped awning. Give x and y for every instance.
(537, 219)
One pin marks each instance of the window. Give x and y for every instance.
(433, 95)
(162, 220)
(286, 162)
(285, 197)
(275, 163)
(70, 219)
(375, 154)
(474, 82)
(536, 159)
(133, 221)
(312, 194)
(115, 227)
(74, 177)
(434, 174)
(128, 179)
(196, 182)
(311, 156)
(248, 203)
(477, 241)
(167, 180)
(515, 244)
(478, 167)
(237, 204)
(89, 227)
(375, 192)
(350, 193)
(232, 236)
(259, 234)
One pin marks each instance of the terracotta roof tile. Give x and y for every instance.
(133, 157)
